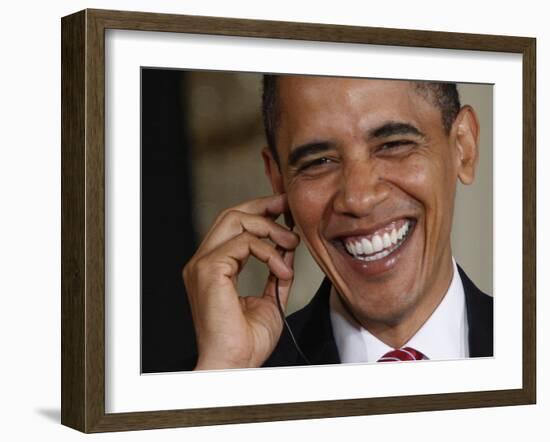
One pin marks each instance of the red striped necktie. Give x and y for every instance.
(402, 354)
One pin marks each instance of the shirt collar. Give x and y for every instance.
(443, 336)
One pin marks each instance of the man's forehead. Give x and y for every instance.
(306, 94)
(310, 85)
(308, 98)
(311, 99)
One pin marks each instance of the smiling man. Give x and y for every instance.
(367, 171)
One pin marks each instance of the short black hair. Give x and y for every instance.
(443, 95)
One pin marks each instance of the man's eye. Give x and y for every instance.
(315, 163)
(397, 144)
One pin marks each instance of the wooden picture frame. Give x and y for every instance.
(83, 220)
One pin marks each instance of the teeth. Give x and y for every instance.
(377, 243)
(379, 246)
(367, 246)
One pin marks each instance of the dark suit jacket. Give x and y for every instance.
(312, 328)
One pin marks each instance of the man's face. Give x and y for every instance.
(370, 175)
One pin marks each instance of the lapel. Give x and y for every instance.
(479, 311)
(312, 329)
(316, 337)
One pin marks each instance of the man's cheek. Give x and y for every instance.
(418, 178)
(307, 205)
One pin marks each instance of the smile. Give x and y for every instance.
(380, 243)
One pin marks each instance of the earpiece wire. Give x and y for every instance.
(282, 313)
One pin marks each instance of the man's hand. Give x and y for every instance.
(234, 331)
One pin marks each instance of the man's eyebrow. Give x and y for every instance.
(307, 149)
(394, 128)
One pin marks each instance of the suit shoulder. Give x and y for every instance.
(479, 311)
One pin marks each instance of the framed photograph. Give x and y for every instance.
(401, 161)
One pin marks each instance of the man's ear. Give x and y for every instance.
(466, 139)
(273, 171)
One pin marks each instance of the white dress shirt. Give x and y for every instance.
(443, 336)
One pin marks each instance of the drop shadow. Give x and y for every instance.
(52, 414)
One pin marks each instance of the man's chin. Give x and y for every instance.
(382, 307)
(381, 292)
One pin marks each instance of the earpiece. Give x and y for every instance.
(289, 221)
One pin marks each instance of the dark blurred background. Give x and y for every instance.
(168, 238)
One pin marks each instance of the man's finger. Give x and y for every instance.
(231, 256)
(284, 284)
(270, 206)
(235, 222)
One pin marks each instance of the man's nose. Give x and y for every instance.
(361, 189)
